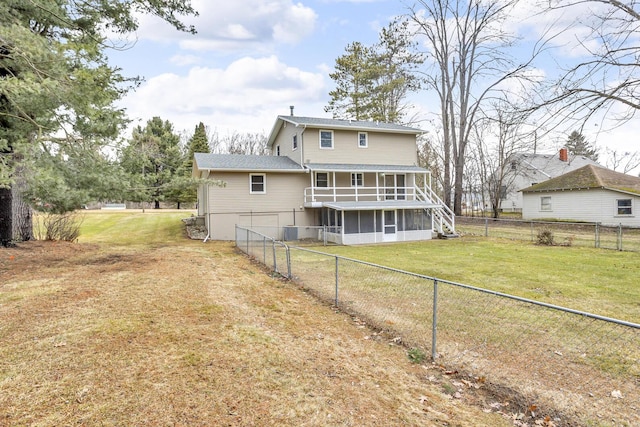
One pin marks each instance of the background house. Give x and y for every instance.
(591, 193)
(527, 169)
(359, 180)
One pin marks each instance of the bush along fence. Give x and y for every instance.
(562, 233)
(576, 367)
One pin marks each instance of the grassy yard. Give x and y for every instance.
(603, 282)
(136, 325)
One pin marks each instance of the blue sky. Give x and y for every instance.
(252, 59)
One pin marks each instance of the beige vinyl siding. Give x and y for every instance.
(284, 191)
(595, 205)
(285, 141)
(382, 149)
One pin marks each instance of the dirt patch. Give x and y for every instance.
(196, 334)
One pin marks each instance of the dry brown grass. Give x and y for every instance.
(194, 334)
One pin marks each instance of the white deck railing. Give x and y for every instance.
(313, 195)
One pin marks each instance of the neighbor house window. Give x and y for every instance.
(545, 203)
(258, 184)
(363, 140)
(294, 144)
(322, 179)
(326, 139)
(356, 180)
(624, 207)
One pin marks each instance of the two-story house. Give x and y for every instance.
(360, 180)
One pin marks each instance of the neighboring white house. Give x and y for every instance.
(591, 193)
(358, 179)
(527, 169)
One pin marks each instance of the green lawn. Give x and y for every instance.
(603, 282)
(133, 227)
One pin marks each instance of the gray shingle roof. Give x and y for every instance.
(550, 165)
(242, 162)
(363, 168)
(588, 177)
(318, 122)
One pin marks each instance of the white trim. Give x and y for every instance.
(366, 140)
(354, 182)
(333, 143)
(264, 183)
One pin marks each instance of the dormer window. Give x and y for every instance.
(326, 139)
(294, 143)
(363, 140)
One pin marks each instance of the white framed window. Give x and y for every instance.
(357, 180)
(363, 140)
(326, 139)
(322, 179)
(545, 203)
(294, 142)
(624, 207)
(257, 183)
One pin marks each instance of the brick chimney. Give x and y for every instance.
(564, 154)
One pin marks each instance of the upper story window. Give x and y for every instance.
(545, 203)
(357, 180)
(624, 207)
(363, 140)
(277, 150)
(326, 139)
(257, 183)
(294, 143)
(322, 179)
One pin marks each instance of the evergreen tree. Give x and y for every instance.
(54, 75)
(199, 143)
(577, 145)
(372, 83)
(153, 159)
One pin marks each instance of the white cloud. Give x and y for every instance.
(231, 25)
(246, 96)
(184, 60)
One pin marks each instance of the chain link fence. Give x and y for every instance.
(576, 365)
(564, 233)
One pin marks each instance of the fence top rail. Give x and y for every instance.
(533, 221)
(477, 289)
(278, 242)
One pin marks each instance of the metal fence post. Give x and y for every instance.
(248, 253)
(337, 281)
(264, 250)
(275, 258)
(287, 252)
(486, 227)
(597, 242)
(434, 325)
(620, 237)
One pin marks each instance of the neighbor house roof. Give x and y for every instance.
(589, 177)
(330, 167)
(331, 124)
(243, 163)
(550, 165)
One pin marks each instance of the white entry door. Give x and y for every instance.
(390, 227)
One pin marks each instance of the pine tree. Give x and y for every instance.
(199, 143)
(577, 145)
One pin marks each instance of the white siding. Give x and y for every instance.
(596, 205)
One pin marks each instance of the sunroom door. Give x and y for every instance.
(390, 226)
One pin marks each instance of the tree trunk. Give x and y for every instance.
(156, 204)
(22, 213)
(6, 217)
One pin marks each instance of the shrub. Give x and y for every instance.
(545, 237)
(65, 227)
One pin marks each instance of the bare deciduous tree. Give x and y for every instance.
(469, 64)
